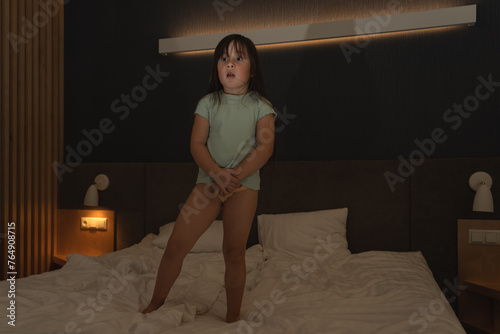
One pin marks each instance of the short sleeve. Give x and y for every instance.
(265, 108)
(202, 108)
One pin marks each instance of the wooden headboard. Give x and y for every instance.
(419, 214)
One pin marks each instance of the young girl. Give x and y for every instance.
(232, 138)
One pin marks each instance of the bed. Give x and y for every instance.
(301, 279)
(315, 263)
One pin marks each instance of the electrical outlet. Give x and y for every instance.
(484, 237)
(88, 223)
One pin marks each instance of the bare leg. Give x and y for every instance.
(197, 214)
(239, 211)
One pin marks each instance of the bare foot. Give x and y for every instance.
(230, 319)
(150, 308)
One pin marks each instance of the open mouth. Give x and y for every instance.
(230, 75)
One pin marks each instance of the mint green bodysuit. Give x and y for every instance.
(232, 134)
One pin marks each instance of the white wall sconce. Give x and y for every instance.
(481, 183)
(464, 15)
(101, 182)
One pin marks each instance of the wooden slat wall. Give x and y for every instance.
(31, 130)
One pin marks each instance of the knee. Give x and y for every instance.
(176, 247)
(234, 255)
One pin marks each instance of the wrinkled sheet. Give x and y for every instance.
(372, 292)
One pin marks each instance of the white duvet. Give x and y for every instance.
(372, 292)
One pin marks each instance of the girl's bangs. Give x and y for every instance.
(241, 47)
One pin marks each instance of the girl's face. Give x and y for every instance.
(233, 69)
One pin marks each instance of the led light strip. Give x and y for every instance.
(326, 30)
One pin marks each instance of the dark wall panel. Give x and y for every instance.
(374, 103)
(440, 195)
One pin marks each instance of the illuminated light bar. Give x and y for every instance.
(464, 15)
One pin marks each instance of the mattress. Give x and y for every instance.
(370, 292)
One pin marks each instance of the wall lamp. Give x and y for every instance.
(481, 183)
(464, 15)
(101, 182)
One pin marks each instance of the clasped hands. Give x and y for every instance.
(226, 181)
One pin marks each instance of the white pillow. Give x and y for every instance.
(209, 242)
(320, 234)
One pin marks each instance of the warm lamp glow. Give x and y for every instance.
(445, 17)
(352, 40)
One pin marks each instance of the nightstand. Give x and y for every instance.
(479, 272)
(73, 236)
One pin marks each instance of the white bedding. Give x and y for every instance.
(372, 292)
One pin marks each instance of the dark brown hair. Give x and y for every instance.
(242, 45)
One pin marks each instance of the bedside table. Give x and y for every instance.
(492, 292)
(72, 238)
(479, 272)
